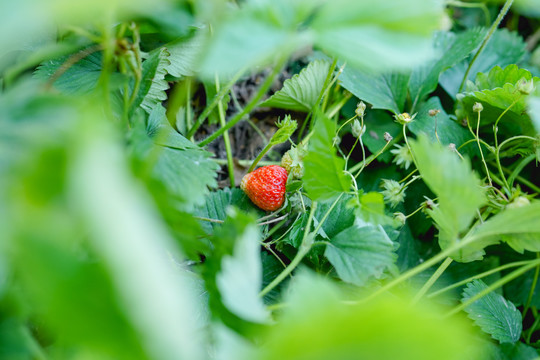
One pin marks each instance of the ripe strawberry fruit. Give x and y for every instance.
(266, 186)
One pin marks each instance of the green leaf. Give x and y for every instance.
(534, 112)
(184, 55)
(186, 174)
(451, 49)
(301, 92)
(457, 188)
(153, 84)
(504, 48)
(386, 91)
(354, 31)
(370, 208)
(216, 205)
(439, 127)
(493, 313)
(518, 351)
(361, 253)
(316, 325)
(286, 128)
(324, 177)
(518, 290)
(240, 278)
(78, 79)
(518, 226)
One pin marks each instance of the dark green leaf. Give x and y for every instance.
(153, 84)
(493, 313)
(451, 49)
(324, 177)
(360, 253)
(383, 91)
(439, 127)
(370, 208)
(301, 92)
(504, 48)
(184, 55)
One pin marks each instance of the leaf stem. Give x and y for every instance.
(226, 138)
(533, 287)
(480, 148)
(307, 241)
(519, 168)
(436, 275)
(478, 276)
(492, 29)
(495, 285)
(217, 99)
(250, 106)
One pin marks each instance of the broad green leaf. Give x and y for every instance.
(518, 351)
(242, 41)
(153, 84)
(80, 78)
(519, 227)
(101, 186)
(504, 48)
(493, 313)
(361, 253)
(216, 205)
(386, 91)
(324, 177)
(458, 190)
(451, 49)
(184, 55)
(185, 173)
(340, 218)
(301, 92)
(316, 325)
(534, 112)
(354, 31)
(240, 278)
(286, 128)
(439, 127)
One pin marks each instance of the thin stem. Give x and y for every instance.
(436, 275)
(524, 181)
(478, 276)
(532, 329)
(533, 287)
(307, 241)
(250, 106)
(480, 148)
(492, 29)
(372, 157)
(244, 163)
(226, 138)
(202, 218)
(495, 285)
(217, 99)
(519, 168)
(259, 157)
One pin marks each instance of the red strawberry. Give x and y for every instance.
(266, 186)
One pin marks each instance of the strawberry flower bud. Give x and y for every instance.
(477, 107)
(404, 118)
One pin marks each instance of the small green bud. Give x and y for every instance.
(399, 216)
(360, 109)
(452, 147)
(404, 118)
(477, 107)
(336, 140)
(518, 202)
(292, 161)
(433, 112)
(525, 86)
(394, 192)
(358, 129)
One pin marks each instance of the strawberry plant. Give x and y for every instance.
(285, 179)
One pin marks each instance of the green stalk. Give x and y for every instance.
(259, 157)
(307, 241)
(217, 99)
(361, 165)
(478, 276)
(226, 138)
(492, 29)
(519, 168)
(250, 106)
(533, 287)
(480, 148)
(532, 329)
(495, 285)
(436, 275)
